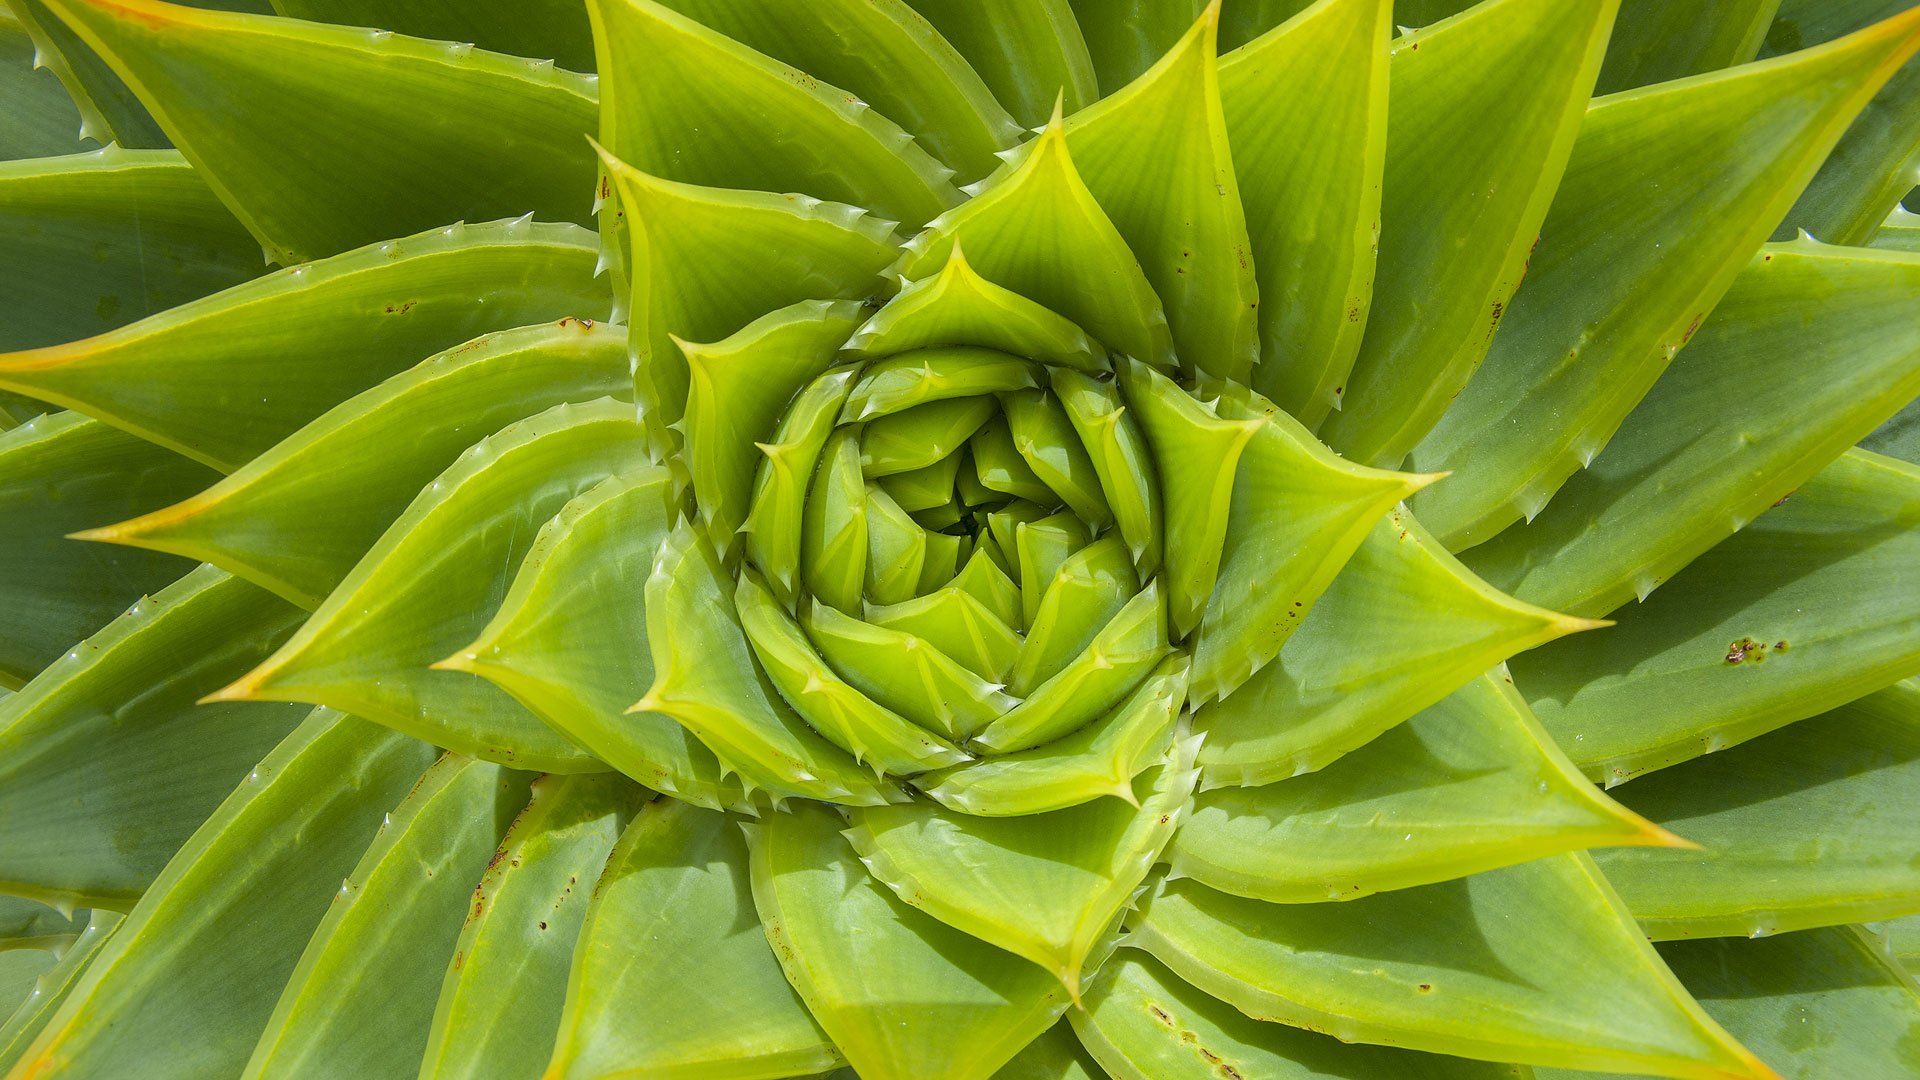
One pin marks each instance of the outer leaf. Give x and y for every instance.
(1154, 155)
(1822, 1003)
(543, 29)
(1702, 168)
(1498, 965)
(1310, 180)
(225, 378)
(1658, 40)
(1142, 1023)
(119, 710)
(501, 998)
(705, 678)
(1462, 203)
(50, 990)
(1031, 219)
(424, 589)
(41, 119)
(1900, 232)
(1875, 163)
(889, 55)
(672, 921)
(360, 999)
(300, 128)
(701, 268)
(1056, 1055)
(34, 926)
(297, 518)
(186, 983)
(109, 112)
(1043, 886)
(1030, 52)
(1811, 350)
(570, 640)
(1125, 37)
(58, 474)
(1297, 513)
(685, 103)
(899, 993)
(1812, 825)
(1400, 628)
(1471, 784)
(97, 240)
(1809, 608)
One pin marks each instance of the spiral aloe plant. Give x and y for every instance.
(915, 539)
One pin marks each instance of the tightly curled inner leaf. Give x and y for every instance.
(965, 581)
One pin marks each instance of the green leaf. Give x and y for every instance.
(1811, 349)
(1154, 155)
(686, 103)
(1122, 460)
(424, 591)
(1401, 627)
(98, 240)
(1659, 40)
(706, 261)
(1030, 52)
(1900, 232)
(705, 678)
(1818, 1004)
(905, 673)
(1122, 654)
(30, 924)
(956, 306)
(311, 133)
(873, 734)
(1874, 164)
(779, 517)
(737, 392)
(1099, 760)
(887, 54)
(1197, 452)
(1537, 963)
(1462, 203)
(50, 990)
(1471, 784)
(1125, 37)
(119, 710)
(297, 518)
(109, 112)
(20, 971)
(1297, 513)
(570, 640)
(900, 993)
(501, 999)
(1812, 825)
(1143, 1023)
(1029, 221)
(361, 998)
(1670, 191)
(1043, 886)
(186, 983)
(58, 474)
(1799, 613)
(1314, 218)
(1090, 587)
(555, 30)
(41, 119)
(223, 379)
(672, 978)
(1055, 1055)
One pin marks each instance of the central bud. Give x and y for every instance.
(977, 541)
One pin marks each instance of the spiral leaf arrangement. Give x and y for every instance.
(1022, 539)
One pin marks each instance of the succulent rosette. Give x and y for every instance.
(933, 539)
